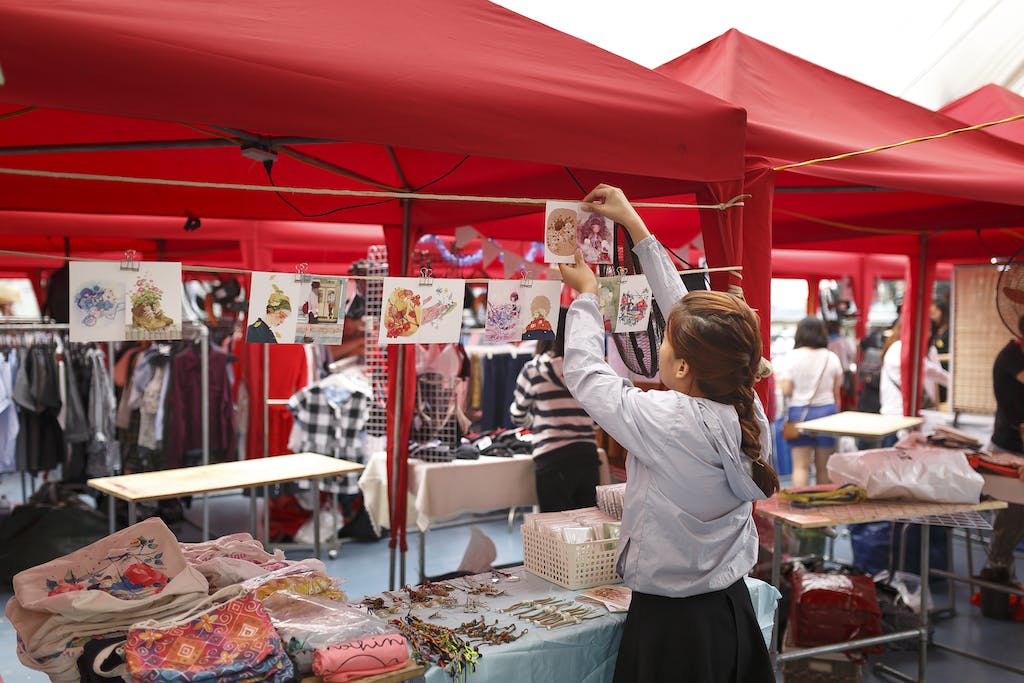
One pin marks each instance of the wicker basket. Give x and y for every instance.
(570, 565)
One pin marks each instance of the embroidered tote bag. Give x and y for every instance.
(234, 641)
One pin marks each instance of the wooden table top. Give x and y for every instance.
(411, 671)
(868, 511)
(222, 476)
(853, 423)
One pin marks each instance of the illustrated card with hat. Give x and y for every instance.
(274, 302)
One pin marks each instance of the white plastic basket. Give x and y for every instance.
(570, 565)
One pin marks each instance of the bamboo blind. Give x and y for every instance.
(977, 336)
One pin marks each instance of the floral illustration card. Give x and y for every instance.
(504, 312)
(154, 302)
(568, 226)
(275, 305)
(322, 309)
(625, 302)
(97, 311)
(424, 312)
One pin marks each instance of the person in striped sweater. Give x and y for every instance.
(564, 446)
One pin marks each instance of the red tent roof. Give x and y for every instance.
(798, 111)
(990, 103)
(466, 97)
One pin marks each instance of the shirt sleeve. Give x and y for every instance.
(665, 282)
(609, 399)
(522, 397)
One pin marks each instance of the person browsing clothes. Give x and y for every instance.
(564, 446)
(698, 458)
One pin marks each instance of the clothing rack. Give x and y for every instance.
(196, 329)
(35, 326)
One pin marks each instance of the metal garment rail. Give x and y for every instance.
(34, 326)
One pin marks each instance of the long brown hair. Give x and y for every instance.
(719, 336)
(894, 336)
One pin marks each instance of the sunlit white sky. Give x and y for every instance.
(929, 52)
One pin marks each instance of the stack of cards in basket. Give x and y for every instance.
(610, 498)
(572, 526)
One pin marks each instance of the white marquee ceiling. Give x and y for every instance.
(929, 52)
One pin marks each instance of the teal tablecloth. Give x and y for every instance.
(581, 653)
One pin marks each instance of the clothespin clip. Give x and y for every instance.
(527, 280)
(622, 273)
(129, 262)
(301, 270)
(426, 276)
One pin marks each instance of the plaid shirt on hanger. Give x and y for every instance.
(331, 421)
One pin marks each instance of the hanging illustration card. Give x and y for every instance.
(97, 294)
(415, 311)
(561, 219)
(608, 298)
(540, 309)
(274, 307)
(568, 226)
(321, 312)
(504, 312)
(594, 237)
(154, 302)
(634, 304)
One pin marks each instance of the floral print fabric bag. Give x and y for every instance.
(233, 641)
(100, 590)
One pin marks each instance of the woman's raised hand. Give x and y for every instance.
(611, 202)
(578, 275)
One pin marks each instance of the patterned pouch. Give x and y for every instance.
(234, 641)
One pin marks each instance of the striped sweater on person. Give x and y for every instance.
(543, 404)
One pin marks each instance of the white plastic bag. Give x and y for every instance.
(931, 475)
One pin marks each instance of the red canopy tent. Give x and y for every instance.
(990, 103)
(924, 200)
(461, 98)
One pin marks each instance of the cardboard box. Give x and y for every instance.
(830, 668)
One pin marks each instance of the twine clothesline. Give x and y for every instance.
(301, 269)
(911, 141)
(334, 192)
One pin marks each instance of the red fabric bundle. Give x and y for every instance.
(834, 608)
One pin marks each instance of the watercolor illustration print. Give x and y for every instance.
(436, 306)
(594, 238)
(503, 312)
(634, 310)
(402, 314)
(266, 328)
(147, 305)
(560, 228)
(539, 327)
(128, 573)
(99, 303)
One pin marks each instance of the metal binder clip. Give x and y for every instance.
(622, 273)
(426, 276)
(527, 280)
(129, 262)
(300, 271)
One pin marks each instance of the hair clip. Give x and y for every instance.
(426, 276)
(300, 271)
(527, 279)
(129, 262)
(622, 273)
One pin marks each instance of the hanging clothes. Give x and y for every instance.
(37, 393)
(8, 413)
(185, 408)
(103, 453)
(330, 418)
(288, 376)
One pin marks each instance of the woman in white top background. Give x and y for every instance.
(811, 382)
(698, 458)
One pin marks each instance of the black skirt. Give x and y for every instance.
(708, 638)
